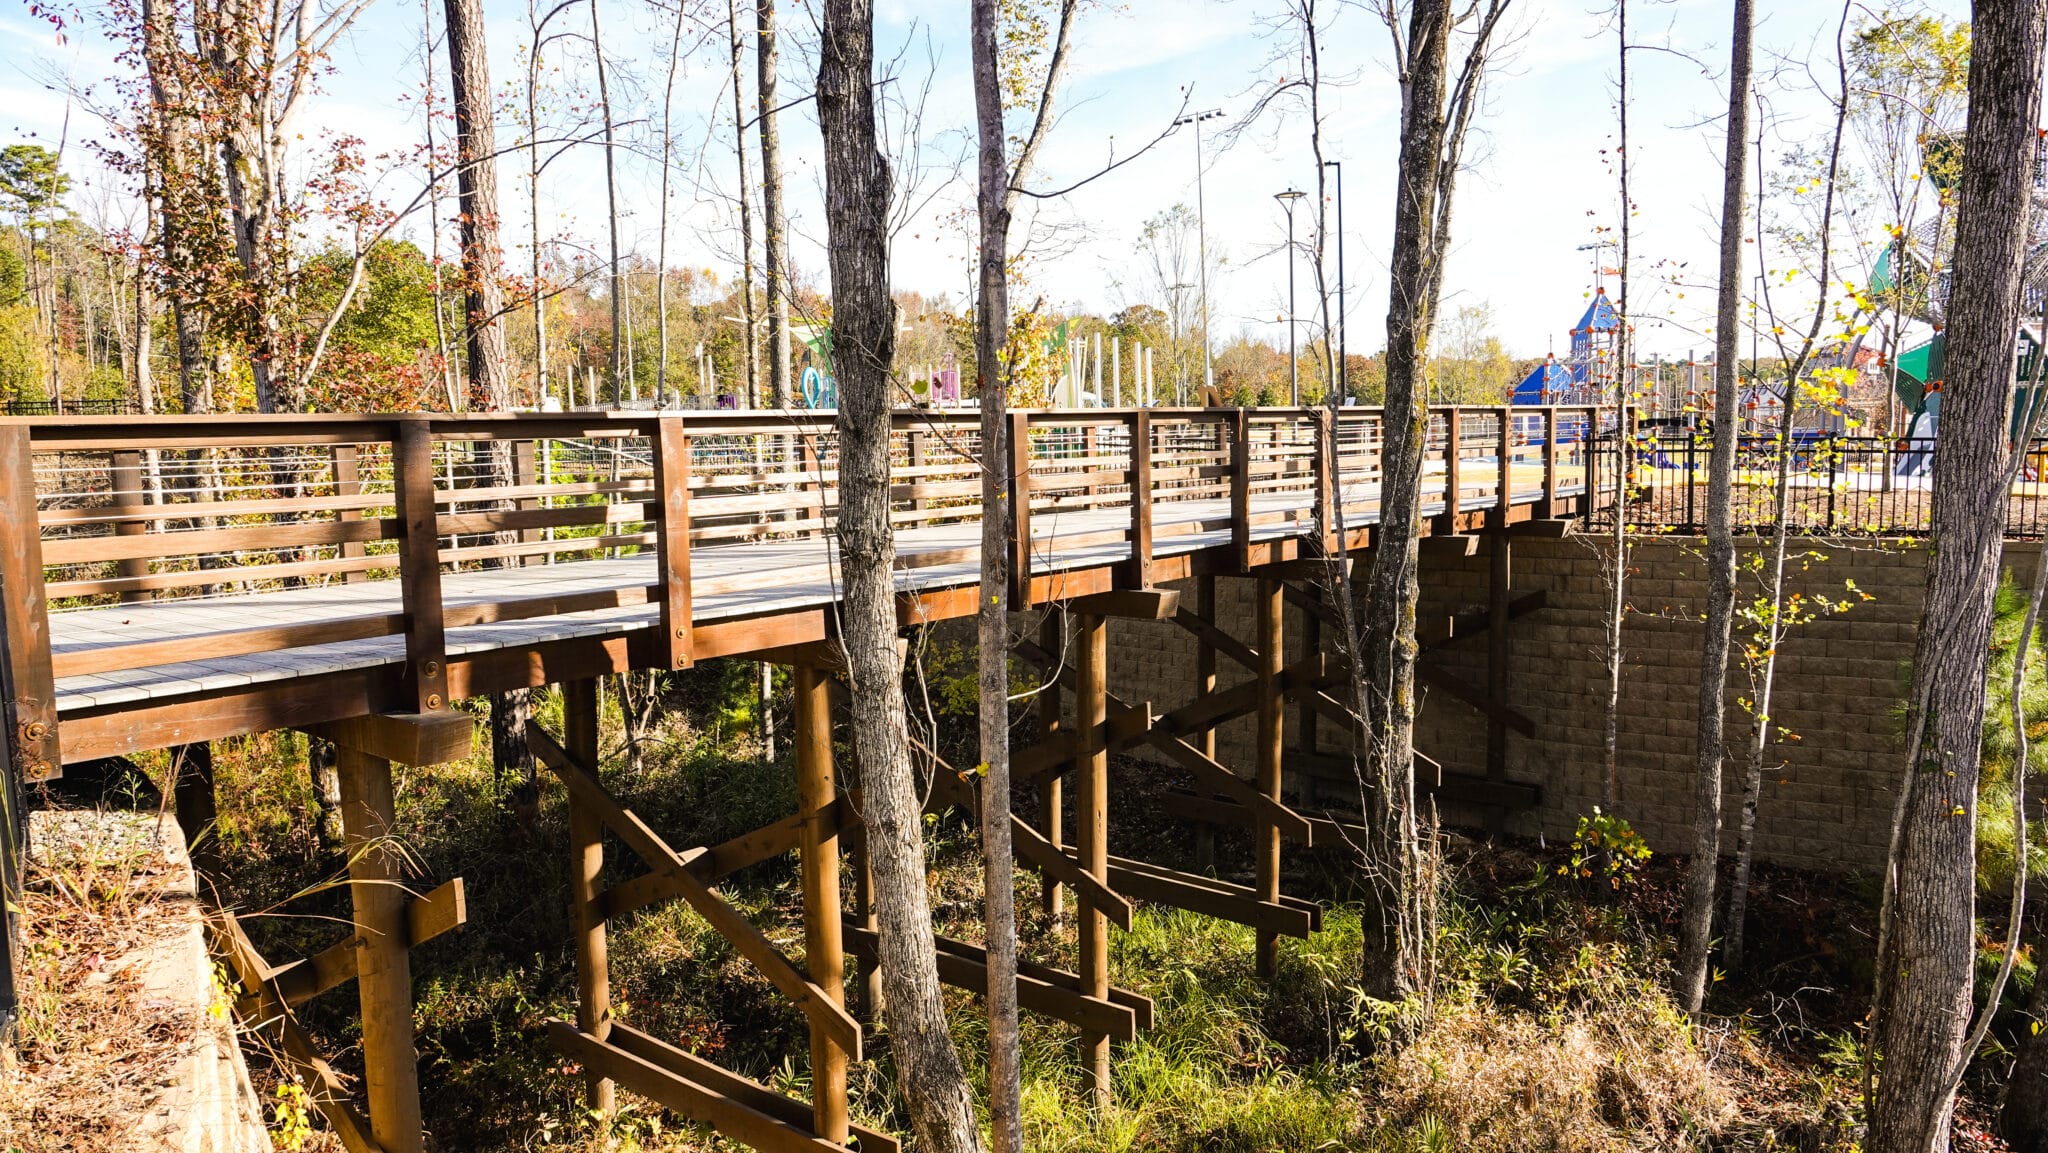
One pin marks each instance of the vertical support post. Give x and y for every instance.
(1020, 512)
(586, 864)
(419, 565)
(1241, 488)
(525, 474)
(672, 485)
(824, 950)
(1091, 814)
(1205, 686)
(1504, 491)
(348, 481)
(1141, 498)
(126, 480)
(383, 965)
(1589, 499)
(917, 462)
(1499, 576)
(31, 704)
(1305, 716)
(1549, 462)
(1272, 734)
(1453, 446)
(192, 798)
(867, 978)
(1052, 794)
(1325, 472)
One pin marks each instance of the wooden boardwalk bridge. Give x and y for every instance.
(170, 581)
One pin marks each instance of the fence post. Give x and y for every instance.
(1549, 462)
(1020, 511)
(348, 481)
(1829, 459)
(672, 536)
(419, 564)
(31, 688)
(1141, 498)
(1241, 488)
(1504, 492)
(126, 481)
(1453, 445)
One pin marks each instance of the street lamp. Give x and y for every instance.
(1343, 325)
(1202, 237)
(1180, 376)
(1287, 200)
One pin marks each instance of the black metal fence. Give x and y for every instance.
(44, 406)
(1835, 484)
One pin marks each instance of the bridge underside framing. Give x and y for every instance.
(378, 717)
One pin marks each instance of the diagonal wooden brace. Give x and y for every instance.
(830, 1017)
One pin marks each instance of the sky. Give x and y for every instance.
(1541, 180)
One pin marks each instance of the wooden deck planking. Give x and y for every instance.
(728, 582)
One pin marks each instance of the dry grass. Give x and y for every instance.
(93, 1053)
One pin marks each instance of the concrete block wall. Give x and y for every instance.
(1827, 796)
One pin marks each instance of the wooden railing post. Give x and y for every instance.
(348, 481)
(1241, 488)
(419, 564)
(1325, 470)
(30, 688)
(824, 949)
(1589, 501)
(1453, 445)
(1020, 511)
(126, 478)
(1141, 498)
(1504, 494)
(1549, 462)
(672, 535)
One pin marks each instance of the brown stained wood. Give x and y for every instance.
(405, 738)
(30, 712)
(1548, 506)
(710, 865)
(1091, 820)
(348, 568)
(1271, 748)
(1453, 464)
(1239, 904)
(1141, 1007)
(462, 616)
(572, 516)
(699, 1102)
(150, 546)
(1444, 544)
(824, 948)
(1241, 489)
(1021, 587)
(426, 641)
(723, 918)
(348, 490)
(144, 654)
(749, 1092)
(345, 507)
(383, 966)
(1145, 604)
(1141, 498)
(1095, 1015)
(580, 720)
(1214, 640)
(126, 479)
(443, 910)
(1474, 695)
(672, 480)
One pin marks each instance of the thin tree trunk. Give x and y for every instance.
(447, 354)
(668, 102)
(1703, 871)
(1929, 941)
(774, 217)
(750, 336)
(991, 336)
(857, 190)
(1624, 458)
(540, 297)
(611, 196)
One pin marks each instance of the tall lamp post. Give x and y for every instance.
(1287, 200)
(1343, 325)
(1202, 238)
(1180, 376)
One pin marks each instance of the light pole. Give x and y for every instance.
(1287, 200)
(1202, 238)
(1180, 376)
(1343, 325)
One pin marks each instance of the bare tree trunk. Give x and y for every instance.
(1927, 944)
(750, 335)
(611, 197)
(668, 103)
(774, 217)
(2023, 1116)
(1624, 457)
(535, 287)
(447, 354)
(857, 188)
(1703, 870)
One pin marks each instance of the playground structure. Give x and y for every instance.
(176, 581)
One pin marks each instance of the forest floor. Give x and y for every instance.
(1548, 1026)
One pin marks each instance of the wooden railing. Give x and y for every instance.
(107, 510)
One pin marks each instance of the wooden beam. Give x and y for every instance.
(1459, 626)
(824, 948)
(676, 642)
(733, 1118)
(743, 1089)
(1449, 545)
(419, 571)
(828, 655)
(383, 964)
(725, 919)
(968, 969)
(443, 910)
(1475, 696)
(1306, 568)
(1214, 640)
(1290, 917)
(29, 710)
(1091, 820)
(1153, 604)
(1553, 527)
(404, 738)
(1272, 720)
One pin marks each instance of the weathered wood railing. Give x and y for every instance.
(106, 510)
